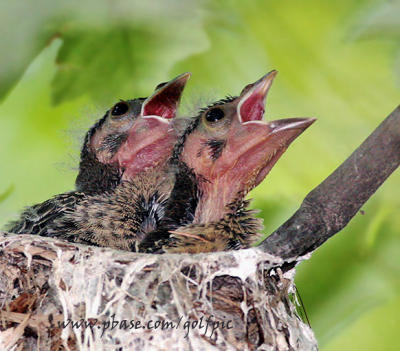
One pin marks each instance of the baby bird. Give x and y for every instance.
(226, 151)
(134, 136)
(120, 146)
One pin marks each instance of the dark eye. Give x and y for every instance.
(120, 109)
(214, 115)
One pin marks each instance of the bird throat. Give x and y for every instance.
(215, 197)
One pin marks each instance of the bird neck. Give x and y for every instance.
(95, 177)
(215, 198)
(132, 172)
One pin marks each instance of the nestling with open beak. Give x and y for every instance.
(228, 150)
(133, 138)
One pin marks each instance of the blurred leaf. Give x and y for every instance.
(93, 23)
(33, 139)
(121, 61)
(23, 37)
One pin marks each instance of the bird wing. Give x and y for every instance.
(37, 218)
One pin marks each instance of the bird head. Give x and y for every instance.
(232, 148)
(134, 135)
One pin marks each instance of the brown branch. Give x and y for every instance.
(331, 205)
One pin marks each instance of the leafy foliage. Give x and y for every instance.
(108, 48)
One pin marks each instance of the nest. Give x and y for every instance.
(61, 296)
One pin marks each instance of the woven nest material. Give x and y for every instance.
(238, 300)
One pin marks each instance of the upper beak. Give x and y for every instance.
(265, 142)
(165, 100)
(274, 137)
(252, 99)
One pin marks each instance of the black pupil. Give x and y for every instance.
(214, 115)
(120, 109)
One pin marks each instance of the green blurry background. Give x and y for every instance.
(62, 66)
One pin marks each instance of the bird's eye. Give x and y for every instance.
(215, 115)
(120, 109)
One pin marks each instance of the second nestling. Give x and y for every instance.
(229, 150)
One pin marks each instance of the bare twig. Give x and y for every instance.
(331, 205)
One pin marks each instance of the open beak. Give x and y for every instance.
(152, 137)
(164, 102)
(252, 99)
(257, 144)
